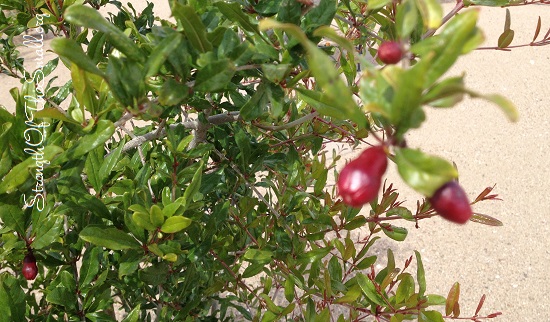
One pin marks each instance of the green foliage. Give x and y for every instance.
(215, 204)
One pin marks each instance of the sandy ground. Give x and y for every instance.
(509, 264)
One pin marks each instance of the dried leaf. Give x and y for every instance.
(485, 219)
(484, 195)
(456, 310)
(480, 305)
(452, 298)
(537, 30)
(508, 20)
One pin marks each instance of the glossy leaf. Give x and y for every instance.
(175, 224)
(369, 289)
(193, 26)
(21, 172)
(394, 232)
(103, 130)
(156, 216)
(92, 18)
(71, 50)
(133, 316)
(110, 238)
(161, 52)
(422, 172)
(233, 12)
(13, 217)
(215, 76)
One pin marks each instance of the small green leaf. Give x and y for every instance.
(193, 26)
(90, 266)
(108, 237)
(394, 232)
(351, 296)
(103, 131)
(143, 220)
(133, 316)
(377, 4)
(430, 316)
(175, 224)
(13, 217)
(48, 231)
(289, 289)
(92, 18)
(406, 18)
(156, 216)
(431, 12)
(505, 38)
(420, 275)
(405, 288)
(215, 76)
(369, 289)
(161, 52)
(423, 172)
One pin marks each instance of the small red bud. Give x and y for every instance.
(360, 180)
(30, 270)
(451, 202)
(390, 52)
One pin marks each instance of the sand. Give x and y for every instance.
(509, 264)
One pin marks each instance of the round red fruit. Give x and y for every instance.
(451, 202)
(390, 52)
(360, 180)
(30, 270)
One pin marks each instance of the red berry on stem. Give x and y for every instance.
(360, 180)
(451, 202)
(390, 52)
(30, 270)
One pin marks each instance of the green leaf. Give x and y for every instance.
(161, 52)
(491, 3)
(351, 295)
(93, 163)
(377, 4)
(194, 185)
(431, 12)
(109, 163)
(13, 217)
(369, 289)
(108, 237)
(406, 18)
(289, 289)
(143, 220)
(173, 93)
(133, 316)
(157, 218)
(21, 172)
(175, 224)
(505, 105)
(234, 13)
(394, 232)
(71, 50)
(103, 131)
(405, 288)
(446, 93)
(254, 255)
(48, 231)
(92, 18)
(420, 275)
(422, 172)
(430, 316)
(215, 76)
(193, 26)
(90, 266)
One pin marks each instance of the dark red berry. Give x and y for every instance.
(30, 270)
(451, 202)
(390, 52)
(360, 180)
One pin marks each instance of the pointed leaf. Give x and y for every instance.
(71, 50)
(193, 26)
(424, 173)
(452, 298)
(486, 220)
(537, 30)
(108, 237)
(505, 38)
(369, 289)
(420, 275)
(91, 18)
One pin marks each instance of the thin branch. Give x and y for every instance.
(153, 135)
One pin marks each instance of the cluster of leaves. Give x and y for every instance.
(216, 204)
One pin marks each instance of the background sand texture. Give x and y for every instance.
(510, 263)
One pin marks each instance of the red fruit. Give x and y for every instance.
(451, 202)
(360, 180)
(30, 270)
(390, 52)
